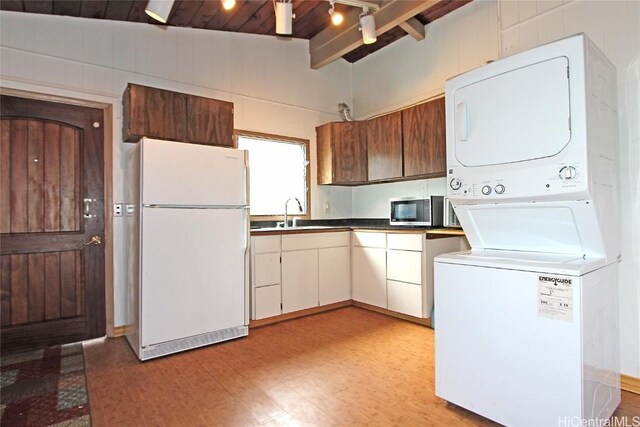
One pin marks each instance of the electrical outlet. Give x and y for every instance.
(117, 209)
(327, 207)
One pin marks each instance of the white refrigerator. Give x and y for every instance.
(187, 220)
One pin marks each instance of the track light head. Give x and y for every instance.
(284, 17)
(367, 26)
(228, 4)
(159, 9)
(336, 17)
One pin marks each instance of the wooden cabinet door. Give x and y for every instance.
(335, 275)
(341, 153)
(384, 146)
(350, 158)
(299, 280)
(155, 113)
(210, 121)
(423, 133)
(369, 276)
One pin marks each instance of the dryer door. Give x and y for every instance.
(519, 115)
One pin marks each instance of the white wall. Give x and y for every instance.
(268, 80)
(614, 26)
(408, 72)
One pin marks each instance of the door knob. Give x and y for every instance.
(95, 240)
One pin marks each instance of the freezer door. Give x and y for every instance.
(519, 115)
(175, 173)
(193, 272)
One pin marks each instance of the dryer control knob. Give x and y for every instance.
(455, 184)
(486, 190)
(499, 189)
(568, 172)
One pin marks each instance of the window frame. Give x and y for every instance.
(286, 140)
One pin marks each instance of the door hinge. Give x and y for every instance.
(280, 259)
(280, 306)
(567, 71)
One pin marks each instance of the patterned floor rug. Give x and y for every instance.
(44, 387)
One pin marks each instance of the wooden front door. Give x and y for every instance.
(51, 206)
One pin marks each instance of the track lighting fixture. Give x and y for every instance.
(284, 17)
(159, 9)
(228, 4)
(367, 26)
(336, 17)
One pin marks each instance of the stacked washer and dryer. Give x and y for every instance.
(527, 330)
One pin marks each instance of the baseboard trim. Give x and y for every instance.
(412, 319)
(629, 383)
(118, 331)
(297, 314)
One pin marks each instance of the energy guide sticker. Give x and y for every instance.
(555, 298)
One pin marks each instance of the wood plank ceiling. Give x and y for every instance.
(248, 16)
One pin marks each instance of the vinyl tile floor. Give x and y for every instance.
(347, 367)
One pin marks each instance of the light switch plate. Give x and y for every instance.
(130, 209)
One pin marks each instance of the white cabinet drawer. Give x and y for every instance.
(370, 240)
(406, 242)
(333, 240)
(405, 298)
(265, 244)
(404, 266)
(267, 302)
(296, 242)
(266, 269)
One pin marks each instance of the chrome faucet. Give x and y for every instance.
(286, 214)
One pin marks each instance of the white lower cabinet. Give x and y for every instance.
(299, 280)
(334, 268)
(369, 276)
(394, 271)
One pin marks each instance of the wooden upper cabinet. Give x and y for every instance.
(164, 114)
(423, 132)
(155, 113)
(341, 153)
(384, 146)
(210, 121)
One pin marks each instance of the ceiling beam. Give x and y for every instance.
(334, 42)
(414, 28)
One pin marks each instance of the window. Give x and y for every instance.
(279, 170)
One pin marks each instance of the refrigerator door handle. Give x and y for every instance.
(247, 243)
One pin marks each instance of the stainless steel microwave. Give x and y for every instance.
(450, 217)
(413, 211)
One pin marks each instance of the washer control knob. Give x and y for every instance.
(486, 190)
(455, 184)
(568, 172)
(499, 189)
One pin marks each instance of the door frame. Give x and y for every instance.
(109, 105)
